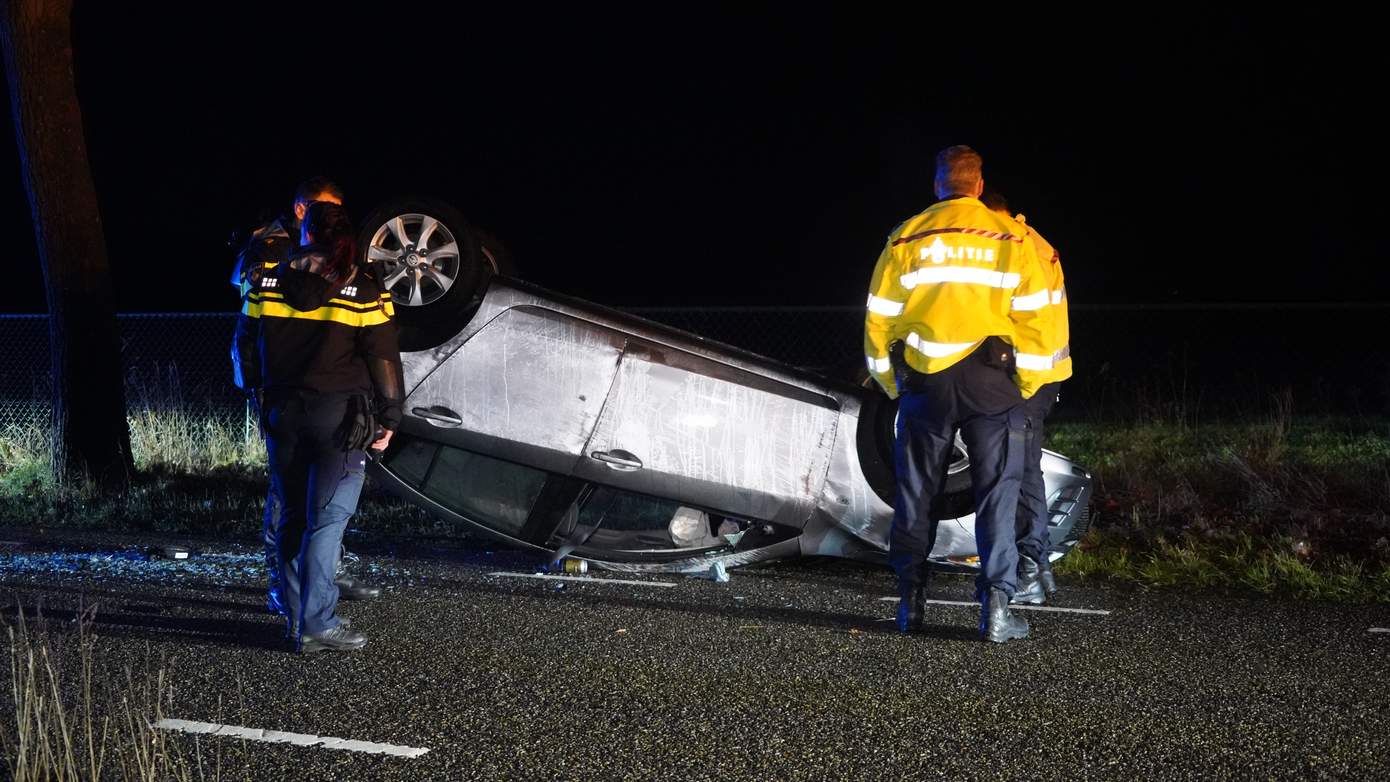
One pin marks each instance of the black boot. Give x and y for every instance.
(339, 639)
(997, 623)
(350, 588)
(1030, 586)
(292, 627)
(911, 593)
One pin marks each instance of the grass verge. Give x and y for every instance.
(1281, 506)
(196, 474)
(1284, 506)
(66, 716)
(1242, 564)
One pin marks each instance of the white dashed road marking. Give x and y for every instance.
(1054, 609)
(585, 579)
(1380, 629)
(297, 739)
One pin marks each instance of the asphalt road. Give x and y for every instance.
(786, 672)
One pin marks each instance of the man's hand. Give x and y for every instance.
(380, 445)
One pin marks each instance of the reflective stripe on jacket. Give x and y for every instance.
(298, 332)
(1057, 303)
(947, 279)
(269, 244)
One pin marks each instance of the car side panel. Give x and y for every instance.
(528, 386)
(714, 436)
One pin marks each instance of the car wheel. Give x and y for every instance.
(431, 261)
(876, 436)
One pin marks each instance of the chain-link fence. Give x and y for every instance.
(1130, 361)
(173, 361)
(181, 361)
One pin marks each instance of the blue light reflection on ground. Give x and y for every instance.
(135, 564)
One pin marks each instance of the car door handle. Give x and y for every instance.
(438, 416)
(618, 459)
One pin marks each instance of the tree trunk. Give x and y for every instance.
(91, 438)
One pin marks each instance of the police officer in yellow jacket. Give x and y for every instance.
(957, 328)
(1035, 579)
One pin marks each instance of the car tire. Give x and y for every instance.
(875, 439)
(435, 287)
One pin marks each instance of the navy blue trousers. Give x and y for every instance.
(1034, 541)
(317, 485)
(983, 403)
(273, 519)
(270, 538)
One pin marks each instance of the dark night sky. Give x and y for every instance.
(733, 157)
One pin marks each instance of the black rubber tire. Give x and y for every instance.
(429, 325)
(875, 439)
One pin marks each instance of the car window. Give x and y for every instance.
(495, 493)
(410, 459)
(613, 520)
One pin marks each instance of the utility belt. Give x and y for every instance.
(993, 352)
(359, 427)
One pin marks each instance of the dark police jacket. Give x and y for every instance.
(270, 243)
(300, 333)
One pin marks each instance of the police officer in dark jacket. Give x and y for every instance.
(317, 340)
(271, 243)
(276, 238)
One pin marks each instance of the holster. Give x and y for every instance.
(907, 377)
(995, 352)
(358, 429)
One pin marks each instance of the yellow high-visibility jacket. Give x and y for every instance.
(1057, 307)
(947, 279)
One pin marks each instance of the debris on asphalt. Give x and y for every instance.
(717, 573)
(168, 564)
(569, 565)
(137, 564)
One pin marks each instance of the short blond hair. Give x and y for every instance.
(959, 170)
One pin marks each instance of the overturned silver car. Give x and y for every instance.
(577, 430)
